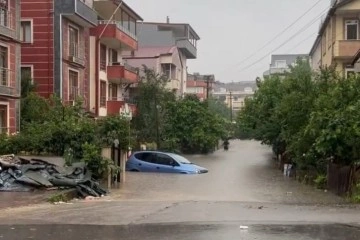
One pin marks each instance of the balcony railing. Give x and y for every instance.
(346, 48)
(77, 53)
(75, 93)
(120, 27)
(125, 65)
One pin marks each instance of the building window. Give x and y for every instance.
(3, 119)
(113, 92)
(3, 66)
(351, 29)
(102, 94)
(26, 72)
(26, 31)
(102, 57)
(73, 85)
(73, 41)
(113, 56)
(280, 64)
(4, 14)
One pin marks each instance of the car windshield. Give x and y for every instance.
(180, 159)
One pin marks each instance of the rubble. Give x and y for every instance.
(19, 175)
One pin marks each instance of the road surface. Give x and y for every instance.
(241, 188)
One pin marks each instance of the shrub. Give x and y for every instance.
(321, 182)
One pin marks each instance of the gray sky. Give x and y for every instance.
(232, 30)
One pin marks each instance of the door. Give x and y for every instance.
(146, 162)
(166, 164)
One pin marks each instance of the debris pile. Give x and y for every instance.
(19, 175)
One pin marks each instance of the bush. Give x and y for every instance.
(321, 182)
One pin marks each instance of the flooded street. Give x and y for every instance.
(245, 173)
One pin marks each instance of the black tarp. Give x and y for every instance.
(17, 174)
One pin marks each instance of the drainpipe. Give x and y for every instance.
(97, 60)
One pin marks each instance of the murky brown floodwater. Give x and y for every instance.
(244, 173)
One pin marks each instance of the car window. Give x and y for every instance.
(164, 159)
(146, 157)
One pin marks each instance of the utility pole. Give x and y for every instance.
(231, 107)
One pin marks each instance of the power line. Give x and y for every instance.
(284, 43)
(278, 35)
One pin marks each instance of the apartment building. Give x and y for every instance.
(112, 80)
(163, 60)
(55, 48)
(10, 48)
(200, 85)
(338, 40)
(280, 63)
(179, 35)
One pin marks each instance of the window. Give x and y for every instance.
(163, 159)
(73, 85)
(146, 157)
(113, 92)
(280, 64)
(73, 41)
(102, 94)
(4, 14)
(3, 66)
(351, 29)
(3, 119)
(113, 56)
(26, 31)
(26, 72)
(102, 57)
(125, 20)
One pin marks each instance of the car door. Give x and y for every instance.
(165, 163)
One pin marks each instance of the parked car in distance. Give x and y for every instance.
(155, 161)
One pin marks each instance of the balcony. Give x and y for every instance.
(77, 11)
(187, 48)
(346, 49)
(114, 35)
(7, 25)
(76, 54)
(8, 84)
(122, 73)
(114, 105)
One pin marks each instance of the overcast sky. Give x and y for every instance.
(232, 30)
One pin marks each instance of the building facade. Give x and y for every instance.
(200, 85)
(72, 48)
(163, 60)
(180, 35)
(10, 48)
(280, 63)
(338, 40)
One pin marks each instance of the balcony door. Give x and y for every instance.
(73, 85)
(3, 119)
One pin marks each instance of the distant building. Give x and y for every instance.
(165, 36)
(234, 94)
(201, 85)
(280, 63)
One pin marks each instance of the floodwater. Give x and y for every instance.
(245, 173)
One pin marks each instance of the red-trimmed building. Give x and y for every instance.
(111, 78)
(10, 48)
(200, 85)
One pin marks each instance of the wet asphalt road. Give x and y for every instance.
(242, 188)
(180, 232)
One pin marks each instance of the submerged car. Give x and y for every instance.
(153, 161)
